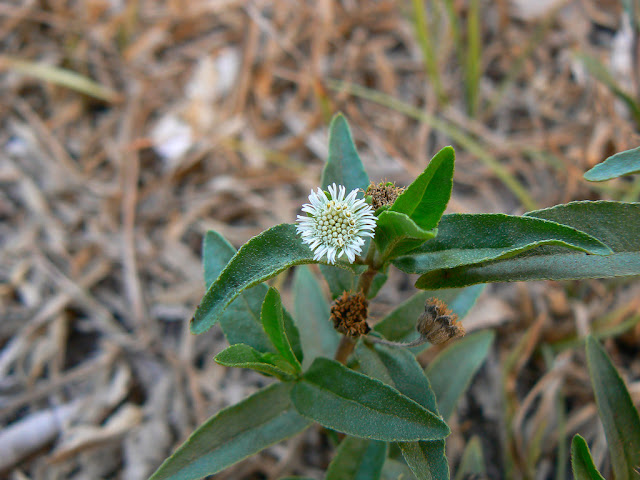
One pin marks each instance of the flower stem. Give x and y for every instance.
(418, 341)
(345, 348)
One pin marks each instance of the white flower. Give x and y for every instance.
(336, 226)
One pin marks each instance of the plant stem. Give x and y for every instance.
(414, 343)
(344, 349)
(347, 345)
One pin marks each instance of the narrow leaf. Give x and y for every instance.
(317, 335)
(353, 403)
(357, 459)
(425, 200)
(216, 253)
(450, 373)
(472, 462)
(400, 324)
(244, 356)
(397, 234)
(615, 407)
(61, 76)
(344, 166)
(396, 470)
(398, 368)
(582, 462)
(622, 163)
(235, 433)
(273, 323)
(261, 258)
(466, 239)
(338, 279)
(240, 322)
(613, 223)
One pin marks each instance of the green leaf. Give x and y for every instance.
(613, 223)
(273, 323)
(240, 322)
(261, 258)
(472, 462)
(357, 459)
(338, 279)
(396, 470)
(235, 433)
(615, 407)
(450, 373)
(398, 368)
(581, 461)
(400, 324)
(622, 163)
(244, 356)
(425, 200)
(426, 459)
(312, 316)
(341, 280)
(344, 166)
(350, 402)
(397, 234)
(466, 239)
(216, 253)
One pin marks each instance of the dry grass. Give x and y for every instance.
(129, 128)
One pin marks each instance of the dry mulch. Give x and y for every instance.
(212, 114)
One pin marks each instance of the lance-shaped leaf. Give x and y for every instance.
(450, 373)
(240, 322)
(622, 163)
(466, 239)
(341, 280)
(261, 258)
(317, 335)
(235, 433)
(273, 323)
(344, 166)
(472, 462)
(397, 234)
(613, 223)
(396, 470)
(425, 200)
(400, 324)
(615, 407)
(582, 462)
(357, 459)
(244, 356)
(350, 402)
(398, 367)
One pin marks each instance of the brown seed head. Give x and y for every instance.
(438, 324)
(384, 193)
(349, 314)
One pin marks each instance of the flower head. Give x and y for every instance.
(336, 226)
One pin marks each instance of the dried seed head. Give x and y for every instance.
(349, 314)
(384, 193)
(438, 324)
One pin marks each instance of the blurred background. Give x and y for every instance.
(130, 128)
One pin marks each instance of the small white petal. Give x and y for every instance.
(335, 227)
